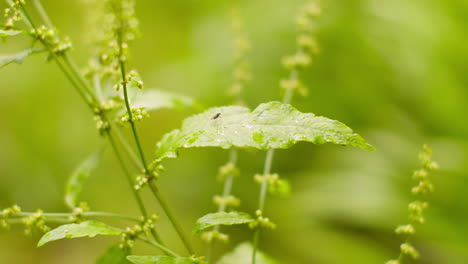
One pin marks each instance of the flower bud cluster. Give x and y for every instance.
(35, 221)
(155, 170)
(229, 201)
(119, 26)
(78, 213)
(12, 14)
(307, 46)
(214, 235)
(6, 213)
(133, 80)
(138, 114)
(416, 208)
(132, 233)
(276, 185)
(227, 170)
(241, 73)
(102, 124)
(262, 222)
(51, 39)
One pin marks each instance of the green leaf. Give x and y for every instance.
(17, 58)
(10, 33)
(162, 260)
(272, 125)
(157, 99)
(114, 255)
(85, 229)
(79, 177)
(243, 254)
(221, 218)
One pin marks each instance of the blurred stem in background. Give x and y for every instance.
(306, 47)
(241, 77)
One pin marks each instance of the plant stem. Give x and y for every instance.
(226, 192)
(263, 193)
(71, 64)
(154, 243)
(170, 215)
(287, 98)
(151, 183)
(137, 195)
(128, 148)
(160, 246)
(88, 214)
(56, 59)
(89, 102)
(127, 175)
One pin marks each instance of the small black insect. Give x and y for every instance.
(216, 116)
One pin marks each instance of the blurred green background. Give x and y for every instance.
(395, 71)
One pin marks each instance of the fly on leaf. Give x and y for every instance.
(216, 116)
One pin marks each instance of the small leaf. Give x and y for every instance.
(243, 254)
(157, 99)
(272, 125)
(114, 255)
(162, 260)
(221, 218)
(85, 229)
(10, 33)
(79, 177)
(17, 58)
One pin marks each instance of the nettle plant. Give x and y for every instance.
(117, 100)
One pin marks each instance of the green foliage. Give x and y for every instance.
(78, 179)
(115, 255)
(162, 260)
(271, 125)
(17, 57)
(243, 254)
(221, 218)
(85, 229)
(153, 99)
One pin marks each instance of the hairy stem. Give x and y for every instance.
(136, 137)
